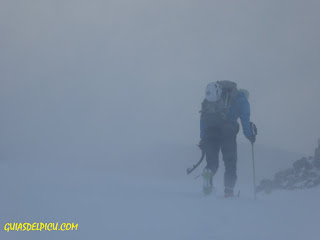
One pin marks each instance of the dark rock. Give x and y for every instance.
(303, 163)
(303, 175)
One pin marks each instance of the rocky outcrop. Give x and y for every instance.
(303, 175)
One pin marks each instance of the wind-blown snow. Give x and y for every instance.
(148, 203)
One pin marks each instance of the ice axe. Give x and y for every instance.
(190, 170)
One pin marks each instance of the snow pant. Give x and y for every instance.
(223, 138)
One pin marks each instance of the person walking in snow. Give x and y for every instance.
(221, 108)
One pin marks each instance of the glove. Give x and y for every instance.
(202, 145)
(254, 132)
(252, 139)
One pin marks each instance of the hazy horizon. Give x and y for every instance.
(85, 76)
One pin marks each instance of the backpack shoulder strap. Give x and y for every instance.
(204, 105)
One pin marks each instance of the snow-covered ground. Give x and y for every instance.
(148, 199)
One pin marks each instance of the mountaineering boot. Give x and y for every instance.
(228, 193)
(207, 181)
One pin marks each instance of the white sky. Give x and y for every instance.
(107, 73)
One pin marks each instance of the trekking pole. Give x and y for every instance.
(254, 173)
(254, 134)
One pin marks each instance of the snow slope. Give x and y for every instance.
(148, 202)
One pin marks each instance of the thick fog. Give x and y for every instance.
(99, 116)
(91, 78)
